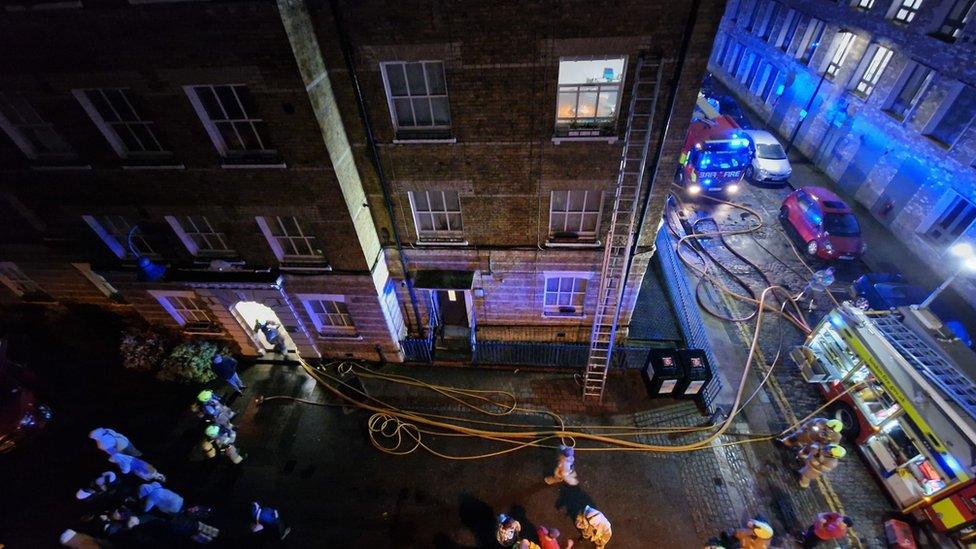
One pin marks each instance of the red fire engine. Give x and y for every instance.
(715, 155)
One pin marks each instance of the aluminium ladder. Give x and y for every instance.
(613, 275)
(929, 362)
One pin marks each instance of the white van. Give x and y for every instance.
(769, 162)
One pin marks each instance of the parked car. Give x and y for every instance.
(885, 291)
(824, 224)
(21, 415)
(769, 162)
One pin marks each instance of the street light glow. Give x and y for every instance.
(962, 249)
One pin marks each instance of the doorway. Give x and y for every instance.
(452, 308)
(264, 329)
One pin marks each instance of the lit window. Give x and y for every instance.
(198, 235)
(187, 309)
(863, 4)
(842, 46)
(878, 60)
(20, 284)
(437, 214)
(565, 294)
(114, 232)
(914, 81)
(904, 11)
(589, 95)
(32, 134)
(955, 20)
(329, 314)
(289, 240)
(955, 219)
(114, 112)
(575, 214)
(953, 117)
(228, 114)
(417, 95)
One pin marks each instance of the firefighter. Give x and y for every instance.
(221, 440)
(508, 530)
(814, 431)
(565, 470)
(820, 461)
(757, 534)
(594, 526)
(209, 407)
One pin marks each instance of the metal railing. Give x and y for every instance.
(552, 355)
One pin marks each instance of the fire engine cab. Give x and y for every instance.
(905, 392)
(716, 153)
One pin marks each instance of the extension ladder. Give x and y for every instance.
(616, 253)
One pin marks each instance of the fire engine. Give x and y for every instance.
(716, 153)
(908, 403)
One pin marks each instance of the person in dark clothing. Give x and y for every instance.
(225, 367)
(268, 518)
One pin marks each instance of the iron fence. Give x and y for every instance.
(553, 355)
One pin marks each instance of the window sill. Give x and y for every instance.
(153, 166)
(307, 267)
(559, 316)
(938, 143)
(420, 141)
(352, 337)
(203, 332)
(578, 244)
(252, 166)
(55, 167)
(607, 139)
(442, 243)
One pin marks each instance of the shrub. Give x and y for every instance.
(144, 350)
(189, 362)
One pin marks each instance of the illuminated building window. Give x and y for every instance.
(198, 235)
(20, 284)
(32, 134)
(565, 294)
(871, 69)
(113, 230)
(187, 309)
(864, 5)
(904, 11)
(915, 79)
(953, 116)
(841, 47)
(955, 219)
(808, 45)
(289, 240)
(417, 95)
(114, 112)
(575, 214)
(329, 314)
(588, 101)
(437, 214)
(955, 20)
(228, 114)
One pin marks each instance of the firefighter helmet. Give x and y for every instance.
(212, 431)
(835, 450)
(835, 424)
(205, 395)
(760, 529)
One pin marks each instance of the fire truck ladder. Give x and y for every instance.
(929, 362)
(613, 275)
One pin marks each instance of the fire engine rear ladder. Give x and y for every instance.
(929, 362)
(613, 275)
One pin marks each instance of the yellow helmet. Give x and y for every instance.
(835, 424)
(836, 451)
(761, 529)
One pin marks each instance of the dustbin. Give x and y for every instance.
(663, 371)
(697, 373)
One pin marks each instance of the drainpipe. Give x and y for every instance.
(374, 155)
(672, 99)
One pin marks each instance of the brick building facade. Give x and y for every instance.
(230, 134)
(891, 122)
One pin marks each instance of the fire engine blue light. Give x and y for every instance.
(952, 462)
(706, 182)
(836, 321)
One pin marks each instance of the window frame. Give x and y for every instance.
(581, 236)
(860, 5)
(308, 237)
(955, 24)
(564, 128)
(186, 237)
(13, 277)
(117, 241)
(560, 275)
(210, 125)
(840, 48)
(391, 105)
(944, 207)
(813, 34)
(945, 107)
(791, 22)
(330, 331)
(868, 74)
(435, 235)
(209, 325)
(108, 129)
(16, 134)
(910, 7)
(769, 20)
(900, 86)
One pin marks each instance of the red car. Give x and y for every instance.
(824, 223)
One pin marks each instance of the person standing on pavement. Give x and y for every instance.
(218, 439)
(565, 470)
(153, 495)
(594, 526)
(136, 466)
(112, 442)
(822, 460)
(225, 367)
(757, 534)
(507, 531)
(549, 538)
(268, 518)
(828, 526)
(209, 407)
